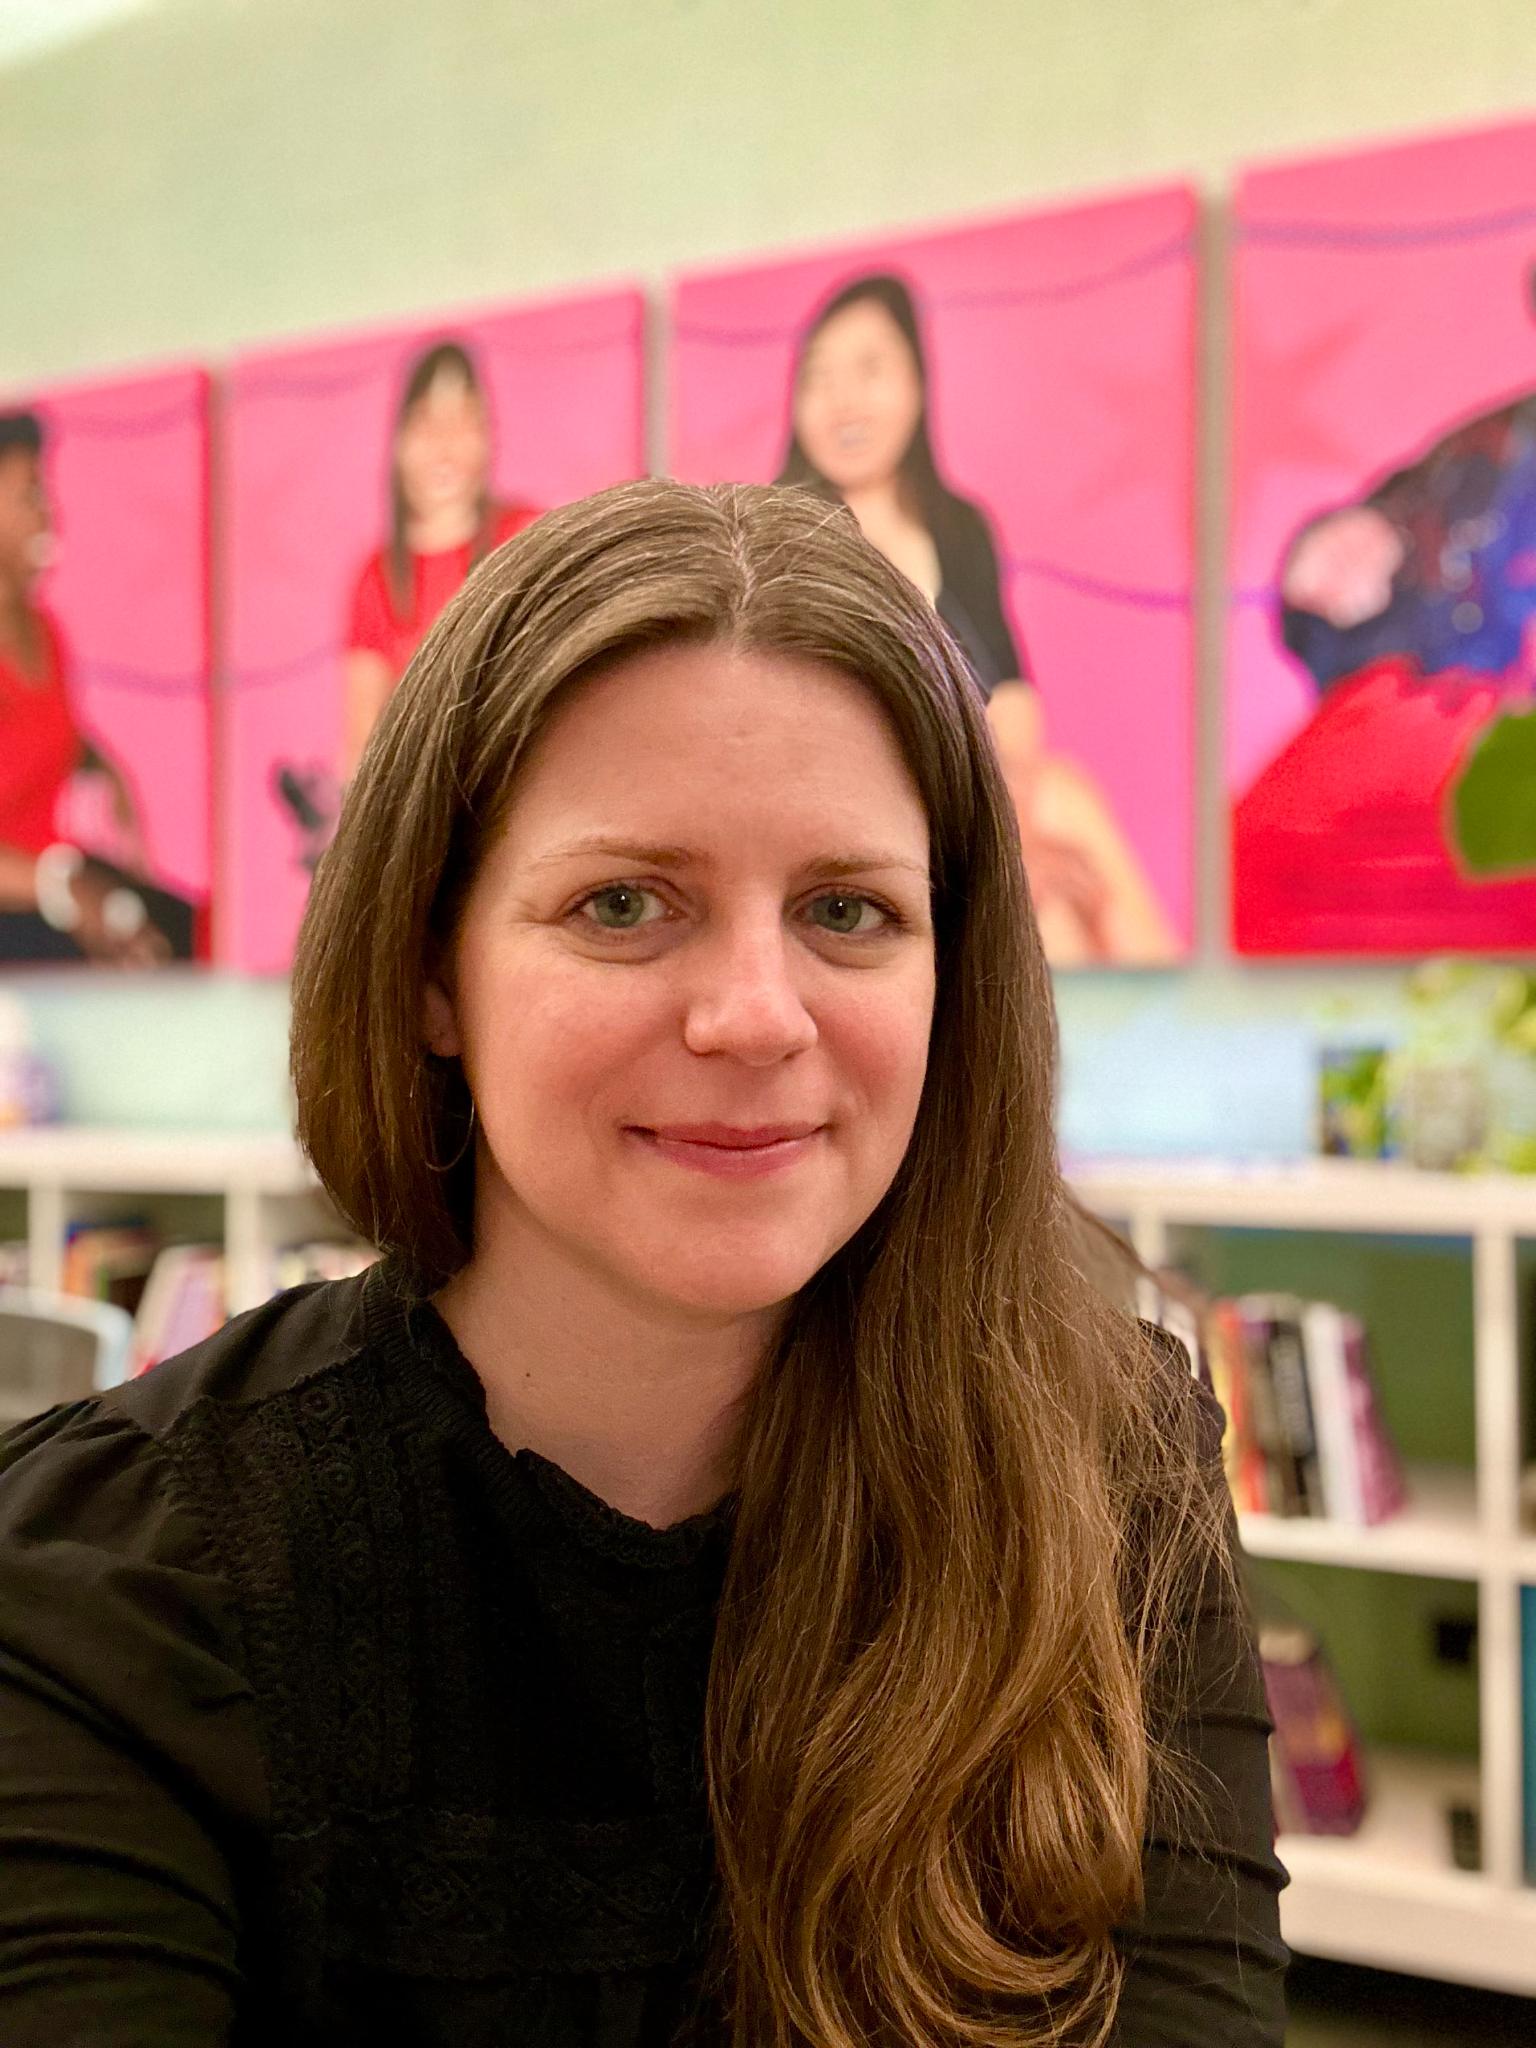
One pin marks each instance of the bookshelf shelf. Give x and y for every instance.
(1437, 1534)
(1390, 1896)
(1403, 1838)
(264, 1192)
(1321, 1194)
(145, 1162)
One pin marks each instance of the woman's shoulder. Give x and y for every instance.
(1193, 1405)
(100, 1470)
(509, 517)
(370, 606)
(968, 522)
(299, 1335)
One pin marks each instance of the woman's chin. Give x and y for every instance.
(846, 476)
(728, 1287)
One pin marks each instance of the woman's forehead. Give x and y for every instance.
(711, 748)
(863, 321)
(678, 725)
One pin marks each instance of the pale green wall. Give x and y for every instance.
(213, 172)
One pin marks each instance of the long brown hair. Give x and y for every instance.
(972, 1503)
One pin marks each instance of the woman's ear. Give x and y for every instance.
(439, 1026)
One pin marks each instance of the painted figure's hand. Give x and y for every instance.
(1342, 568)
(113, 927)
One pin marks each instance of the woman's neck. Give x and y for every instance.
(879, 505)
(450, 526)
(19, 639)
(642, 1408)
(889, 522)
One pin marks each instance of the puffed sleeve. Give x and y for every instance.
(1205, 1963)
(132, 1787)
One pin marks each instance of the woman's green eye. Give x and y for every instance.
(631, 898)
(846, 906)
(626, 906)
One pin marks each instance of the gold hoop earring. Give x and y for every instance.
(469, 1132)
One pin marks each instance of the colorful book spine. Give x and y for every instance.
(183, 1303)
(1282, 1404)
(1337, 1453)
(1382, 1489)
(1242, 1455)
(1316, 1763)
(1293, 1400)
(1281, 1494)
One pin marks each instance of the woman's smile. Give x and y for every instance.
(729, 1162)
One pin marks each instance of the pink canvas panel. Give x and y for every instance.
(1055, 379)
(121, 612)
(311, 485)
(1380, 737)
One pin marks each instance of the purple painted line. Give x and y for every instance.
(279, 383)
(143, 682)
(248, 676)
(1343, 236)
(1180, 246)
(182, 412)
(1137, 596)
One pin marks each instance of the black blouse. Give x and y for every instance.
(326, 1719)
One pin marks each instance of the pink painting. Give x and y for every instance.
(105, 830)
(1007, 408)
(365, 478)
(1381, 726)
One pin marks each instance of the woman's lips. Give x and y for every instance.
(729, 1162)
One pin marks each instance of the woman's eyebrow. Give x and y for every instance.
(682, 856)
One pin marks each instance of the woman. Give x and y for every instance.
(725, 1575)
(442, 520)
(860, 433)
(57, 903)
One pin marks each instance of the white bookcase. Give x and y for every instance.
(253, 1194)
(1388, 1896)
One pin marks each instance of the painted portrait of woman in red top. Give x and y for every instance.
(442, 520)
(58, 902)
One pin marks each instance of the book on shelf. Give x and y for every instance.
(298, 1265)
(1316, 1766)
(174, 1292)
(1329, 1450)
(1304, 1433)
(109, 1262)
(1246, 1468)
(1272, 1328)
(184, 1301)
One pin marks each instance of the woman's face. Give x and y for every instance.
(443, 447)
(25, 531)
(858, 398)
(753, 949)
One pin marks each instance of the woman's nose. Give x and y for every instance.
(744, 999)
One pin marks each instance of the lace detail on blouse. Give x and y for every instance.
(421, 1613)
